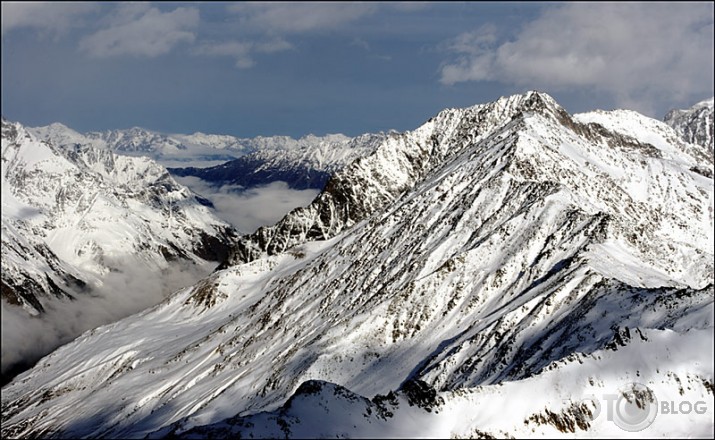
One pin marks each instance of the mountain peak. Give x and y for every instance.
(695, 124)
(539, 100)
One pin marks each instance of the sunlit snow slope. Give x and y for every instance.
(492, 268)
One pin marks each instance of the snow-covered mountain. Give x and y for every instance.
(182, 150)
(503, 270)
(694, 125)
(307, 165)
(77, 219)
(137, 140)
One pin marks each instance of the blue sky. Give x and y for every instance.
(251, 69)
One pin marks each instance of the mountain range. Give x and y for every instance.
(179, 150)
(502, 270)
(307, 167)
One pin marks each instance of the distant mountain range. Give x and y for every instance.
(308, 166)
(302, 163)
(178, 149)
(502, 270)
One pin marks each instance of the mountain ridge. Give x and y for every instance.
(306, 167)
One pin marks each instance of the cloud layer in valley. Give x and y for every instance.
(121, 293)
(249, 209)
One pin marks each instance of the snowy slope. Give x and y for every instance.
(31, 270)
(513, 258)
(694, 125)
(557, 403)
(74, 219)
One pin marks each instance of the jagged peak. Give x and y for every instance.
(531, 101)
(13, 131)
(710, 102)
(695, 125)
(535, 100)
(136, 129)
(6, 121)
(482, 118)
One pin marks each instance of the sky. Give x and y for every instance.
(250, 69)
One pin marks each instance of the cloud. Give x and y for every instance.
(127, 290)
(235, 49)
(47, 18)
(250, 209)
(264, 27)
(287, 18)
(635, 52)
(141, 30)
(242, 52)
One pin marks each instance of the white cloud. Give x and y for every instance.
(359, 42)
(635, 52)
(47, 18)
(275, 45)
(250, 209)
(141, 30)
(130, 290)
(241, 51)
(284, 18)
